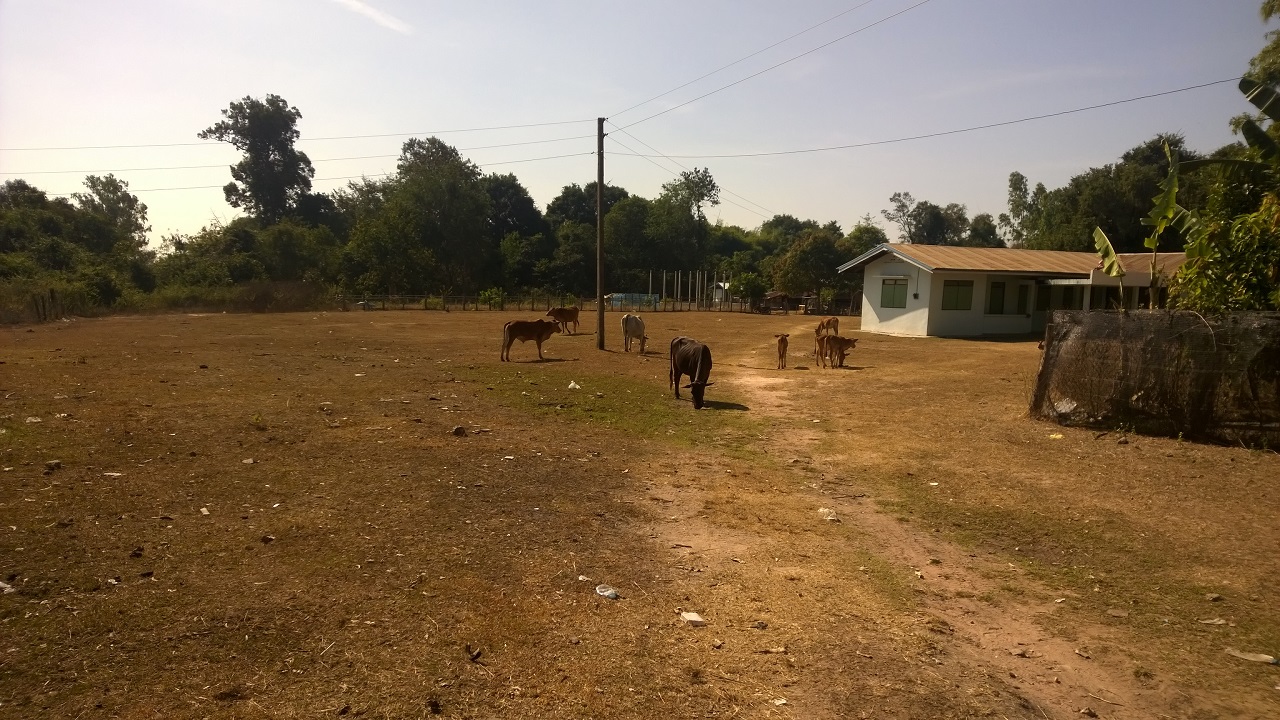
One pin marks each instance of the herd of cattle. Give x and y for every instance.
(687, 357)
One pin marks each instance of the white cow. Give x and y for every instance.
(632, 329)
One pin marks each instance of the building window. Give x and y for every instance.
(893, 293)
(957, 294)
(995, 299)
(1042, 298)
(1069, 301)
(1024, 298)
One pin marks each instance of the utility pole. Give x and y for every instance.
(600, 233)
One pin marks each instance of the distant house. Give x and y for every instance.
(963, 292)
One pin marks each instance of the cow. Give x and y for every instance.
(820, 349)
(633, 329)
(838, 349)
(564, 316)
(825, 324)
(522, 330)
(692, 358)
(782, 350)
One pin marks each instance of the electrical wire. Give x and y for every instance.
(347, 177)
(946, 132)
(744, 59)
(676, 174)
(320, 160)
(314, 139)
(778, 65)
(727, 190)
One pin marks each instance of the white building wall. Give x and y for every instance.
(911, 320)
(976, 320)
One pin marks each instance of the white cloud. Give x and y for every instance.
(376, 15)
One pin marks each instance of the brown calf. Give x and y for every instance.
(564, 316)
(782, 350)
(838, 349)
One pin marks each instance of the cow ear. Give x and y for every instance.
(687, 386)
(706, 384)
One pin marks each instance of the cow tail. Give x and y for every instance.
(700, 354)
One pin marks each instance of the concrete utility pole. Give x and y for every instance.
(600, 234)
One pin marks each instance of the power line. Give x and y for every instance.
(947, 132)
(347, 177)
(727, 190)
(320, 160)
(784, 62)
(744, 59)
(676, 174)
(314, 139)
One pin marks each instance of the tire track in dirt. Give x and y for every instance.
(1009, 641)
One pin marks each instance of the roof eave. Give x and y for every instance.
(876, 252)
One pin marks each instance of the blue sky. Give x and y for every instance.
(152, 72)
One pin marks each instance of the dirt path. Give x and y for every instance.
(1005, 641)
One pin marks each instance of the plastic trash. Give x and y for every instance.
(607, 591)
(693, 618)
(574, 386)
(1254, 657)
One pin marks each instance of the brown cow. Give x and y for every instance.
(838, 349)
(825, 324)
(782, 350)
(820, 352)
(564, 316)
(522, 330)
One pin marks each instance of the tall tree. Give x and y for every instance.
(926, 224)
(1265, 66)
(578, 204)
(809, 264)
(983, 232)
(677, 225)
(110, 198)
(900, 213)
(429, 230)
(514, 210)
(273, 174)
(863, 237)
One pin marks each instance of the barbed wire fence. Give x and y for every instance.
(1160, 372)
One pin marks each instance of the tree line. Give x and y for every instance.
(438, 225)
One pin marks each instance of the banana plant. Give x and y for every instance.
(1110, 262)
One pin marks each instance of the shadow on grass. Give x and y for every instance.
(721, 405)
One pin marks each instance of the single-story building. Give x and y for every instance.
(966, 291)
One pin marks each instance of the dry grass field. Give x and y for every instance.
(270, 516)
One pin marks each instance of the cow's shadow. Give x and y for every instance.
(546, 360)
(722, 405)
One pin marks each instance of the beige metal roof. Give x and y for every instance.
(1017, 260)
(1167, 263)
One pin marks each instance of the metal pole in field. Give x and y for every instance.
(600, 233)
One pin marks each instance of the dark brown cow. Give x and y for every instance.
(523, 330)
(838, 349)
(692, 358)
(782, 350)
(564, 316)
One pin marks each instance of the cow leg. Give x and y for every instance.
(539, 342)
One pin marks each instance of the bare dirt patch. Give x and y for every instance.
(270, 515)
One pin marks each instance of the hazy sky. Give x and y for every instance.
(154, 73)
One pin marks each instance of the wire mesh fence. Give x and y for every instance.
(637, 302)
(1164, 373)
